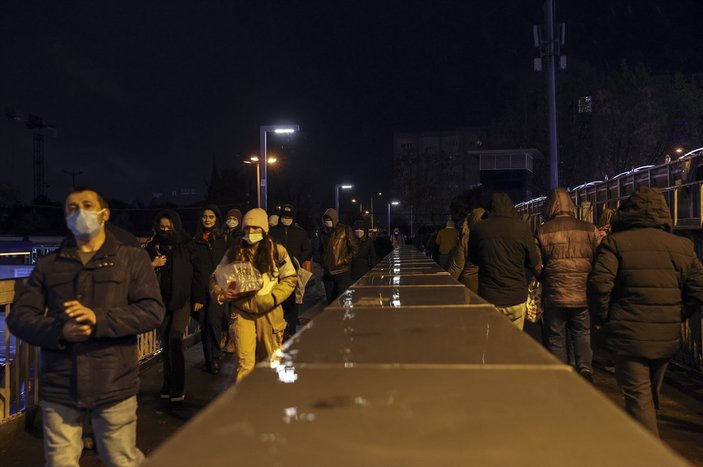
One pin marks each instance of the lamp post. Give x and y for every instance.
(254, 160)
(392, 203)
(343, 186)
(372, 213)
(361, 207)
(263, 161)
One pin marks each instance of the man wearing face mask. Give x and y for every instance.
(297, 243)
(84, 306)
(337, 247)
(365, 257)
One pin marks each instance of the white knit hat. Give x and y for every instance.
(257, 217)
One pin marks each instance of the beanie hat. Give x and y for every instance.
(235, 213)
(256, 218)
(287, 210)
(360, 225)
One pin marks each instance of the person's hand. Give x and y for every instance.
(228, 295)
(76, 332)
(307, 265)
(159, 261)
(79, 313)
(197, 307)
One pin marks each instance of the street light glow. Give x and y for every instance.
(284, 130)
(395, 203)
(271, 160)
(346, 187)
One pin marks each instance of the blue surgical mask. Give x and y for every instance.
(84, 224)
(253, 238)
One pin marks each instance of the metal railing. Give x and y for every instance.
(682, 186)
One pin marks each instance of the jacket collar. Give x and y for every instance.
(69, 249)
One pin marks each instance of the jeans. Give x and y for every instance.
(516, 313)
(640, 380)
(557, 322)
(336, 285)
(114, 426)
(212, 325)
(171, 333)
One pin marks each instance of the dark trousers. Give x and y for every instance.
(171, 333)
(212, 325)
(566, 327)
(290, 314)
(336, 285)
(640, 380)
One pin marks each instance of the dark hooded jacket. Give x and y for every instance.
(210, 247)
(365, 257)
(119, 285)
(502, 247)
(232, 235)
(176, 276)
(294, 238)
(642, 277)
(568, 246)
(337, 245)
(460, 267)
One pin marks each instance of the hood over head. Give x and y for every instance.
(218, 217)
(558, 204)
(288, 210)
(361, 225)
(475, 216)
(502, 206)
(646, 207)
(332, 214)
(179, 235)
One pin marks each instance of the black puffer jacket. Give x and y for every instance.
(502, 247)
(208, 254)
(568, 246)
(119, 285)
(641, 278)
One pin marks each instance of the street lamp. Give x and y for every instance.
(254, 160)
(262, 179)
(392, 203)
(343, 186)
(361, 207)
(372, 213)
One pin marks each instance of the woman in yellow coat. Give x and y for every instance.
(259, 322)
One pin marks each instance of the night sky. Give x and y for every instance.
(144, 94)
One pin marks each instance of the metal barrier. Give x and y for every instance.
(409, 367)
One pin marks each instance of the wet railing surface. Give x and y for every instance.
(411, 368)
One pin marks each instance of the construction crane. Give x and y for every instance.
(39, 129)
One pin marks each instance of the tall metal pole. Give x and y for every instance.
(552, 97)
(372, 213)
(388, 229)
(336, 198)
(261, 169)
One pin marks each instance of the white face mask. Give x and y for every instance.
(253, 238)
(329, 224)
(84, 224)
(232, 223)
(286, 221)
(359, 233)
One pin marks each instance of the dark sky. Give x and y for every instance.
(145, 93)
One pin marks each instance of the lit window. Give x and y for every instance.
(586, 104)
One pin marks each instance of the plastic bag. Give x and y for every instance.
(534, 302)
(242, 277)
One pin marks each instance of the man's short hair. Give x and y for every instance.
(81, 189)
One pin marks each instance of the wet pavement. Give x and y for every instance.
(680, 417)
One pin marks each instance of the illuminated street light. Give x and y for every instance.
(263, 178)
(372, 212)
(392, 203)
(343, 186)
(254, 160)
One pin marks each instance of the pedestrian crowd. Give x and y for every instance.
(631, 280)
(244, 277)
(85, 304)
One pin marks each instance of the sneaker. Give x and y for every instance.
(587, 375)
(180, 398)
